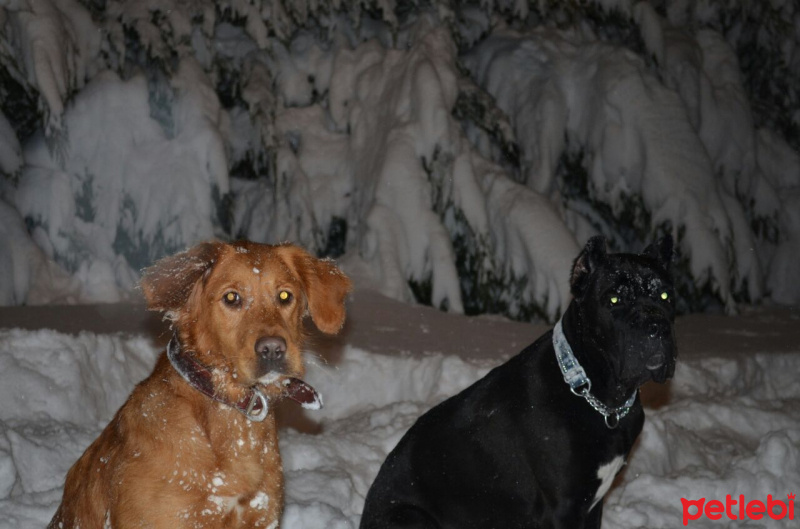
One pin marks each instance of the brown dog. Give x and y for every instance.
(196, 444)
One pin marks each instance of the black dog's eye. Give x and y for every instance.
(665, 296)
(614, 300)
(285, 297)
(232, 299)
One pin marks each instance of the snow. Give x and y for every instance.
(635, 132)
(58, 43)
(727, 424)
(29, 277)
(91, 206)
(404, 146)
(165, 123)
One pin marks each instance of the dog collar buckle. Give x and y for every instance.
(586, 385)
(258, 407)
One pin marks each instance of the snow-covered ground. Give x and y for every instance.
(729, 423)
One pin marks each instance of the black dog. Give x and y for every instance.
(537, 442)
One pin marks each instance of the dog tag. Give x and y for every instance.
(300, 391)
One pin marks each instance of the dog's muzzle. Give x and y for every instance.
(655, 361)
(658, 349)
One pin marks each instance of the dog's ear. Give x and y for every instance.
(168, 283)
(587, 262)
(326, 288)
(661, 251)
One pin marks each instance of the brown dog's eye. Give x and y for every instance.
(284, 297)
(232, 299)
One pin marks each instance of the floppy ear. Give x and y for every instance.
(169, 282)
(661, 251)
(326, 288)
(587, 262)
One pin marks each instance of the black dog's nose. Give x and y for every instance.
(271, 347)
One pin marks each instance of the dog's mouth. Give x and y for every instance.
(660, 367)
(656, 362)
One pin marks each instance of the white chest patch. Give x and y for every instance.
(606, 475)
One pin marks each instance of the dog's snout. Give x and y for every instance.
(656, 327)
(655, 361)
(271, 347)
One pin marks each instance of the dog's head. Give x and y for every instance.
(239, 307)
(627, 309)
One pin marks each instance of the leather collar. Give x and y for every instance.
(254, 404)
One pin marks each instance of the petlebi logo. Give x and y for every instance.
(738, 508)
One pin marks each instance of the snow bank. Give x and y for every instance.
(59, 392)
(731, 426)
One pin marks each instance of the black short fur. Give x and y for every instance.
(517, 449)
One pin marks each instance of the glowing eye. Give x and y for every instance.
(285, 296)
(614, 300)
(664, 296)
(231, 298)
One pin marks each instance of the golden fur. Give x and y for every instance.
(172, 457)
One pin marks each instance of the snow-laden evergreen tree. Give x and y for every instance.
(456, 153)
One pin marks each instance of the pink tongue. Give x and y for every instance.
(299, 391)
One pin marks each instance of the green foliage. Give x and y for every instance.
(160, 99)
(631, 229)
(610, 25)
(694, 294)
(224, 209)
(761, 36)
(486, 286)
(85, 208)
(336, 242)
(229, 84)
(19, 101)
(766, 227)
(628, 228)
(422, 289)
(475, 106)
(254, 165)
(129, 242)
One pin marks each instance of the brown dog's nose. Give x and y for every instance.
(271, 348)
